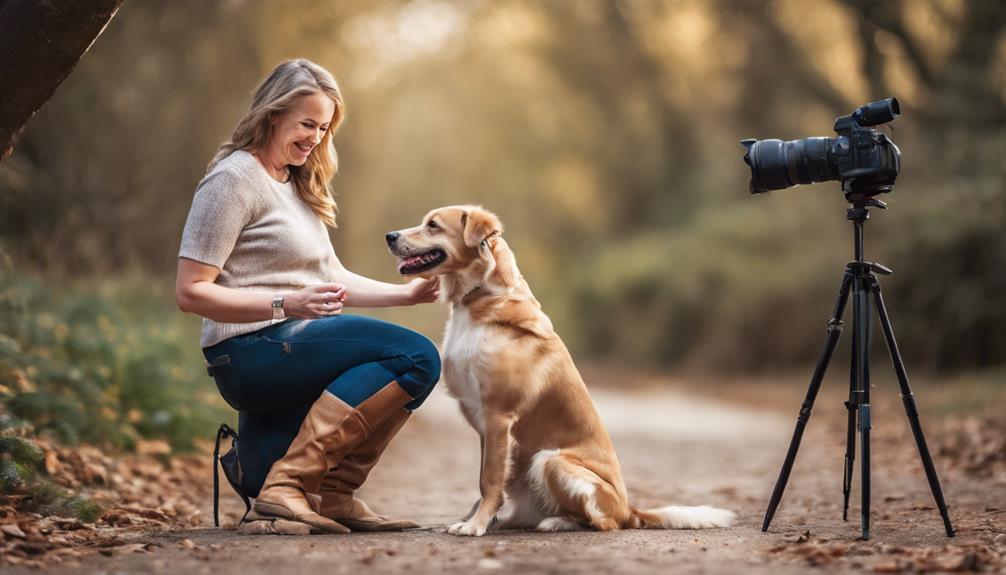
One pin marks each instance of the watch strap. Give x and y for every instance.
(277, 308)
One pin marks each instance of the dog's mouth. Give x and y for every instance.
(422, 262)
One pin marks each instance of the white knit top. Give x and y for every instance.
(258, 232)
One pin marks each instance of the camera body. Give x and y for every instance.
(864, 160)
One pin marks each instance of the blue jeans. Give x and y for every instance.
(272, 377)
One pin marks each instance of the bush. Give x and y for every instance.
(751, 286)
(21, 476)
(105, 364)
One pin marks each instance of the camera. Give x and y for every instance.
(866, 162)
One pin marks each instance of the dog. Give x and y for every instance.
(547, 461)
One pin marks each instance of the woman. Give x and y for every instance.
(320, 394)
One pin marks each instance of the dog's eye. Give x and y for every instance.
(432, 225)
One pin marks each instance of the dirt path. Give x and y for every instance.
(675, 449)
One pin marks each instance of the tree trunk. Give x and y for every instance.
(41, 42)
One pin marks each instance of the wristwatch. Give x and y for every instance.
(277, 308)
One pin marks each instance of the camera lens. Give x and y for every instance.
(776, 164)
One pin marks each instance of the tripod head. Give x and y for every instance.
(859, 213)
(860, 210)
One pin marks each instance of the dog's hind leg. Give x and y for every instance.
(552, 524)
(575, 492)
(521, 509)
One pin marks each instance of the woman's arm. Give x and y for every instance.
(365, 292)
(196, 293)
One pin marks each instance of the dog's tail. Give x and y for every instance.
(679, 517)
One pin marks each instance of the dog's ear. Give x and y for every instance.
(480, 225)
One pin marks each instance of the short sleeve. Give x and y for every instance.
(221, 208)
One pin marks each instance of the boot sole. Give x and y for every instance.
(256, 524)
(265, 510)
(394, 525)
(252, 516)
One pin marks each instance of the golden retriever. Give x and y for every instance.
(547, 461)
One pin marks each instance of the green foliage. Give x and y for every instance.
(21, 475)
(102, 364)
(48, 499)
(722, 291)
(751, 287)
(19, 458)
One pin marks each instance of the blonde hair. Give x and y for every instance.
(275, 95)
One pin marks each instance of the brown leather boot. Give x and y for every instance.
(330, 427)
(339, 484)
(330, 432)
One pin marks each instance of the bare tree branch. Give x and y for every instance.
(888, 16)
(873, 60)
(775, 43)
(963, 92)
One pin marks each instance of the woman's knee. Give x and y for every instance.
(426, 358)
(425, 365)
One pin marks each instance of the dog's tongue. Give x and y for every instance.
(409, 262)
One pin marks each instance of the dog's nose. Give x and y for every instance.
(391, 237)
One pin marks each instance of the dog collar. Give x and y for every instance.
(466, 299)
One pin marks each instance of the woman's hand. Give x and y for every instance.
(422, 290)
(315, 301)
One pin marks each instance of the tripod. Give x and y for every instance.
(861, 277)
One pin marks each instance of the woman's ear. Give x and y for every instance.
(480, 225)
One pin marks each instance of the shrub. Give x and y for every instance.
(105, 364)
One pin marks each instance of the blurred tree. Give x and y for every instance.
(646, 146)
(605, 134)
(960, 94)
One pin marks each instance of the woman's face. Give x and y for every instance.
(298, 130)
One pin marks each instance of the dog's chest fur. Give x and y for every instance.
(466, 351)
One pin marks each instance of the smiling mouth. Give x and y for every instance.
(422, 262)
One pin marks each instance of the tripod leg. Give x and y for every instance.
(861, 326)
(850, 440)
(834, 333)
(908, 398)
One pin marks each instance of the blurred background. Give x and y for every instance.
(605, 135)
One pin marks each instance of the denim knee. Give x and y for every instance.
(425, 370)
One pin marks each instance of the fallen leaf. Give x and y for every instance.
(52, 466)
(128, 548)
(12, 530)
(490, 564)
(153, 447)
(888, 567)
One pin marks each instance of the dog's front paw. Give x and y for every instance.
(467, 528)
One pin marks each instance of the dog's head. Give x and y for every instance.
(449, 240)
